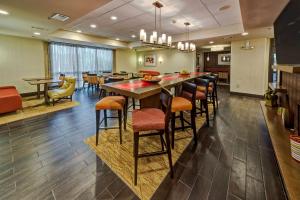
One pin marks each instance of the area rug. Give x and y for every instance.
(151, 170)
(34, 107)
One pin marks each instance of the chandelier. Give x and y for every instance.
(186, 46)
(157, 39)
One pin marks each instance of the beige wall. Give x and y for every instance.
(125, 60)
(173, 61)
(249, 68)
(20, 58)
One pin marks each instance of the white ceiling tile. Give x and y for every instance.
(134, 15)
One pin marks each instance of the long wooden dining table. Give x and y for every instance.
(148, 92)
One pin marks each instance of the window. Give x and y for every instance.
(72, 60)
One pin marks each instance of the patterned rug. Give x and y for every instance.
(151, 170)
(34, 107)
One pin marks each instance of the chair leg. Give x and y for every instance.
(105, 119)
(125, 112)
(181, 120)
(100, 93)
(169, 152)
(173, 129)
(201, 107)
(206, 111)
(97, 125)
(120, 124)
(133, 103)
(136, 152)
(193, 123)
(214, 103)
(216, 95)
(162, 141)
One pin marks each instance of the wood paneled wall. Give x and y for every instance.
(292, 83)
(212, 64)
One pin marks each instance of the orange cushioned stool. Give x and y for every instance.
(201, 95)
(184, 102)
(118, 103)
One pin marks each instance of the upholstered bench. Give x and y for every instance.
(10, 99)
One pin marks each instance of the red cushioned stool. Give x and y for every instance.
(148, 119)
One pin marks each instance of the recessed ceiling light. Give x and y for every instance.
(79, 31)
(93, 26)
(117, 38)
(211, 42)
(245, 33)
(3, 12)
(37, 33)
(113, 18)
(133, 36)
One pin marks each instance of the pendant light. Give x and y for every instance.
(157, 38)
(186, 46)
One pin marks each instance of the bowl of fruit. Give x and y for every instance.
(152, 79)
(184, 72)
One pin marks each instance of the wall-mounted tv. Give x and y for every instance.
(287, 34)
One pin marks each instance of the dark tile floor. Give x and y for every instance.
(45, 158)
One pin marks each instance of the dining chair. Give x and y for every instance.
(84, 78)
(153, 119)
(93, 81)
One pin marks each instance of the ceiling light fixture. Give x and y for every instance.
(79, 31)
(118, 39)
(59, 17)
(158, 38)
(133, 36)
(37, 33)
(224, 7)
(247, 46)
(3, 12)
(93, 26)
(186, 46)
(211, 42)
(113, 18)
(245, 33)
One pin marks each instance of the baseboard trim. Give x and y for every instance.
(247, 95)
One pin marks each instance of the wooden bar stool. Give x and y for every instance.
(153, 119)
(118, 103)
(184, 102)
(201, 95)
(212, 90)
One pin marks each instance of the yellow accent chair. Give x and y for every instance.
(64, 92)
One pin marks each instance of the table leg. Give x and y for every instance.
(46, 93)
(151, 102)
(38, 86)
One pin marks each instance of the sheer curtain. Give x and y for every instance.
(72, 60)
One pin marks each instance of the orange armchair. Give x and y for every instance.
(10, 99)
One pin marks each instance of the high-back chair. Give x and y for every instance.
(153, 119)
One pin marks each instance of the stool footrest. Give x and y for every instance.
(156, 153)
(110, 127)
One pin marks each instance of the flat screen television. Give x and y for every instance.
(287, 34)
